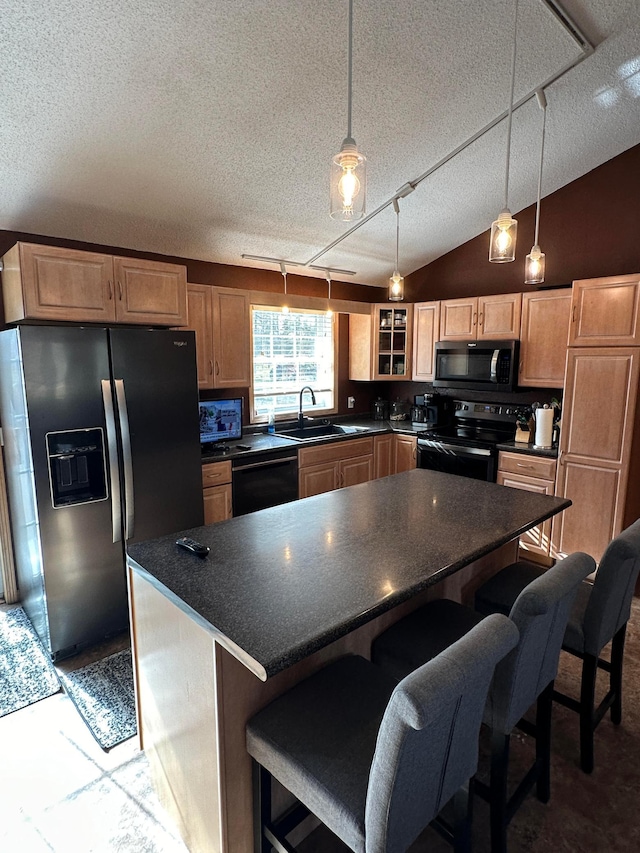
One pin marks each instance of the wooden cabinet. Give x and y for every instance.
(405, 453)
(221, 320)
(543, 338)
(380, 345)
(52, 283)
(531, 474)
(217, 491)
(383, 455)
(494, 318)
(426, 331)
(394, 453)
(605, 312)
(326, 467)
(599, 468)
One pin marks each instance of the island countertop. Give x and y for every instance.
(284, 582)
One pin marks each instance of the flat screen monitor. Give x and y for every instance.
(220, 420)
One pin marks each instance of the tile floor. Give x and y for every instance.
(59, 791)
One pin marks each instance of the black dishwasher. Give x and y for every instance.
(264, 479)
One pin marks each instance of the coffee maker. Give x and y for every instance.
(431, 410)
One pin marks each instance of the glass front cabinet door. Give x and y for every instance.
(392, 342)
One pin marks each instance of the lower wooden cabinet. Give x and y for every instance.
(405, 453)
(383, 455)
(217, 491)
(531, 474)
(326, 467)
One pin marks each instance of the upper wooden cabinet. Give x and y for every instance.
(380, 344)
(426, 331)
(52, 283)
(220, 318)
(494, 318)
(605, 312)
(543, 338)
(599, 460)
(149, 292)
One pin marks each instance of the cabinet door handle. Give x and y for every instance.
(528, 467)
(210, 367)
(217, 368)
(573, 314)
(480, 318)
(110, 290)
(120, 290)
(475, 316)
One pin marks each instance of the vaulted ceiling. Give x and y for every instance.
(205, 128)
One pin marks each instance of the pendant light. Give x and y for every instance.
(283, 270)
(534, 264)
(348, 167)
(396, 282)
(329, 311)
(504, 229)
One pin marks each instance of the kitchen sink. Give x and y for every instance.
(313, 432)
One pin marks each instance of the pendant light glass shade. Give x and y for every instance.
(348, 183)
(534, 266)
(396, 287)
(348, 188)
(504, 232)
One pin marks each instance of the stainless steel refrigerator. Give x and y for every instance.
(102, 446)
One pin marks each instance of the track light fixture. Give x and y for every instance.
(535, 262)
(348, 167)
(504, 229)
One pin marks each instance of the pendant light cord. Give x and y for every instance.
(543, 105)
(396, 207)
(350, 67)
(510, 116)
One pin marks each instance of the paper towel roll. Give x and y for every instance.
(544, 427)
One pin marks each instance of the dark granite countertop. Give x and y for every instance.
(529, 449)
(281, 583)
(261, 442)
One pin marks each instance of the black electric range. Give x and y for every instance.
(468, 444)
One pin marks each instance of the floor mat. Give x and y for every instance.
(26, 673)
(103, 694)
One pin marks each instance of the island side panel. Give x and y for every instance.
(174, 664)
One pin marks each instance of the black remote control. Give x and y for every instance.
(195, 547)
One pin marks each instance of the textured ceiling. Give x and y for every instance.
(205, 128)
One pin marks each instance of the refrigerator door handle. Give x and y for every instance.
(125, 437)
(112, 447)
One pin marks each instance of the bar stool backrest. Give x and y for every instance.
(609, 606)
(427, 745)
(540, 612)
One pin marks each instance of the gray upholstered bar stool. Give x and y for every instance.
(524, 678)
(599, 617)
(375, 760)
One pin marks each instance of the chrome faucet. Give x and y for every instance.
(313, 400)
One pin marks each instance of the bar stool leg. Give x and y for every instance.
(587, 700)
(463, 817)
(498, 791)
(543, 743)
(617, 657)
(261, 807)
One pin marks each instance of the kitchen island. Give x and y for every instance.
(282, 592)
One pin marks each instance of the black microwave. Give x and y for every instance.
(476, 365)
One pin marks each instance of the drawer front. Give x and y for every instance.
(334, 451)
(529, 466)
(216, 473)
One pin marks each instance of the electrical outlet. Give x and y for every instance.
(351, 401)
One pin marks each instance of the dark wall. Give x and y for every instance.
(589, 228)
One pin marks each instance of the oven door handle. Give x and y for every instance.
(456, 449)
